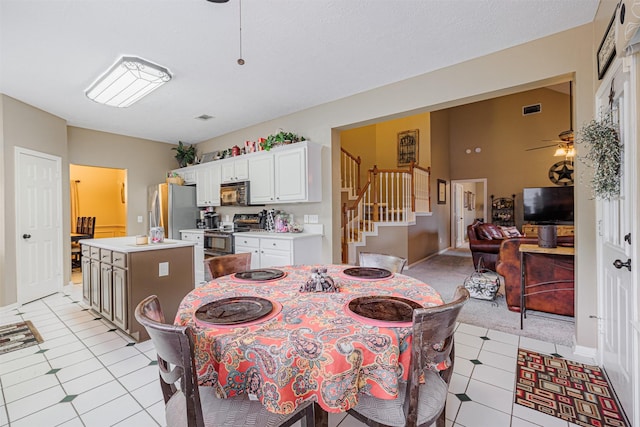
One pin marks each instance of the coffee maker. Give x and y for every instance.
(211, 220)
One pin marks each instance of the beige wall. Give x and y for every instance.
(27, 127)
(146, 163)
(100, 195)
(504, 135)
(536, 64)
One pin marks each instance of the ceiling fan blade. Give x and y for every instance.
(540, 148)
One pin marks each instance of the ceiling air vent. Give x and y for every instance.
(531, 109)
(204, 117)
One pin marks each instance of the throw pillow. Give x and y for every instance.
(491, 230)
(510, 232)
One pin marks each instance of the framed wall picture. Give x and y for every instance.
(442, 191)
(607, 49)
(408, 142)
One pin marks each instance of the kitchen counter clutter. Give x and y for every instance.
(117, 274)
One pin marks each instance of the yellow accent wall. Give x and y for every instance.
(100, 194)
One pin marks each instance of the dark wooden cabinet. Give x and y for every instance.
(503, 210)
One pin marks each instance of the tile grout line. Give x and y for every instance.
(143, 409)
(52, 310)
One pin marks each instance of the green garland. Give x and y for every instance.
(604, 155)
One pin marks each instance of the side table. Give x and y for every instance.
(531, 250)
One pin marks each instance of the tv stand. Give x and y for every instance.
(531, 230)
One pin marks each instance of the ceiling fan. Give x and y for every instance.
(565, 142)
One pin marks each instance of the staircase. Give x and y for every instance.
(388, 197)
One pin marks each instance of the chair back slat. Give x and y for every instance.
(432, 345)
(227, 264)
(174, 347)
(392, 263)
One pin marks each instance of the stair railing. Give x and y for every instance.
(350, 172)
(389, 195)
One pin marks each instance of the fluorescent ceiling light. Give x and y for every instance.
(128, 80)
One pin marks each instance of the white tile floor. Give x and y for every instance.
(87, 373)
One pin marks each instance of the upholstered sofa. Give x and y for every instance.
(539, 268)
(484, 242)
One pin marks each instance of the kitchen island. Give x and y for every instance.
(117, 274)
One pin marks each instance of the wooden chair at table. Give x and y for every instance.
(226, 264)
(389, 262)
(84, 225)
(432, 344)
(194, 406)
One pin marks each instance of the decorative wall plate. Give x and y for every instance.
(561, 173)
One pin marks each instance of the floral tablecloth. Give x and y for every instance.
(312, 350)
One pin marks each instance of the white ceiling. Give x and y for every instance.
(298, 53)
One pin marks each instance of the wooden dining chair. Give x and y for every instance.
(420, 404)
(226, 264)
(194, 406)
(389, 262)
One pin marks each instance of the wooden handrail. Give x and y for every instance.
(357, 161)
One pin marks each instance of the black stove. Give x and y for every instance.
(219, 241)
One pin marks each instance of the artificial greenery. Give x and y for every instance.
(604, 155)
(185, 155)
(279, 138)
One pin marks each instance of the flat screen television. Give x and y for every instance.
(548, 205)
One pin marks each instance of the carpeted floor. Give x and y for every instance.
(574, 392)
(446, 272)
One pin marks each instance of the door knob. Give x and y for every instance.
(26, 236)
(619, 264)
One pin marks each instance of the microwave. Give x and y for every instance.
(234, 194)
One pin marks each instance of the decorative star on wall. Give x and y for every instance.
(561, 173)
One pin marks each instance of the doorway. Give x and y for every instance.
(101, 193)
(469, 203)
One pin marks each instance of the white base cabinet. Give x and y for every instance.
(278, 249)
(196, 236)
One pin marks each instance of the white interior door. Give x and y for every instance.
(616, 96)
(458, 212)
(38, 224)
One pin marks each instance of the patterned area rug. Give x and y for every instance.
(18, 335)
(568, 390)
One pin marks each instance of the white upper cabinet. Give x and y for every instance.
(235, 170)
(288, 174)
(208, 185)
(261, 182)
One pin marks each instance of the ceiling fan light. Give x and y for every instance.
(127, 81)
(560, 151)
(571, 152)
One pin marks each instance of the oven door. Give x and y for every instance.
(216, 244)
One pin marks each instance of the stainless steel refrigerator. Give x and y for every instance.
(173, 207)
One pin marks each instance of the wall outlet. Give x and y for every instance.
(139, 219)
(313, 219)
(306, 219)
(163, 269)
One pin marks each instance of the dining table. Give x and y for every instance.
(308, 345)
(79, 236)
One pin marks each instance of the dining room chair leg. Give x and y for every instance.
(321, 416)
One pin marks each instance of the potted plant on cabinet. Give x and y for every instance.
(185, 155)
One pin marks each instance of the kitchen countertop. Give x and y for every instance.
(193, 230)
(128, 244)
